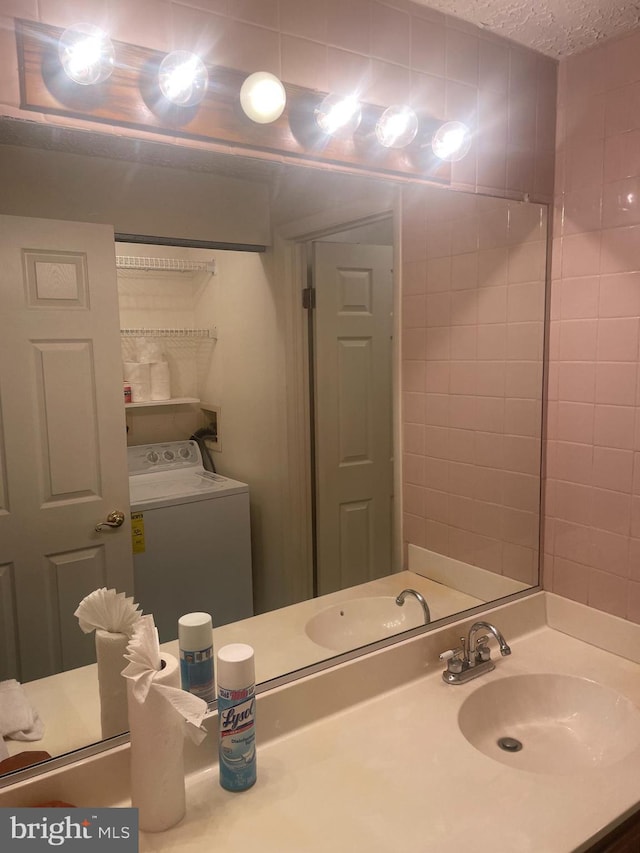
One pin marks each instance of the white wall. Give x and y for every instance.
(133, 197)
(246, 382)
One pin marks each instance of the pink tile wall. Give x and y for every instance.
(391, 52)
(592, 526)
(473, 309)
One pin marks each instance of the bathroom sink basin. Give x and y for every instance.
(558, 724)
(359, 621)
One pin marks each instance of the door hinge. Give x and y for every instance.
(309, 298)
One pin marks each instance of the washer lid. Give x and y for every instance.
(151, 491)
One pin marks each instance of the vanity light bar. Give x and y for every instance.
(87, 56)
(127, 262)
(301, 125)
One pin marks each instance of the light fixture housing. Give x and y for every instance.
(183, 78)
(86, 54)
(338, 115)
(452, 141)
(263, 97)
(397, 126)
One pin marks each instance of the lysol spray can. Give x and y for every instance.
(195, 638)
(236, 716)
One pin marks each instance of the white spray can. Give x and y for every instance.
(236, 716)
(195, 638)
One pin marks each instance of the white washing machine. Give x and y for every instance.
(191, 537)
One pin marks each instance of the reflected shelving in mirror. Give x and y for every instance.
(174, 401)
(208, 334)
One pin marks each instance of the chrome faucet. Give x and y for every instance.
(425, 607)
(473, 658)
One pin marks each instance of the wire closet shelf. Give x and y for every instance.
(209, 334)
(128, 262)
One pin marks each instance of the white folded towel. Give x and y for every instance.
(18, 719)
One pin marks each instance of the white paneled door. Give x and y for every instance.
(63, 465)
(353, 402)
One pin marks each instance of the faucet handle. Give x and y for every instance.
(450, 653)
(455, 653)
(454, 658)
(482, 649)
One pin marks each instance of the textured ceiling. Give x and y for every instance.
(555, 27)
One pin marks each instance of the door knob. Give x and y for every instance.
(114, 519)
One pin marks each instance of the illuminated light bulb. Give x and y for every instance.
(451, 142)
(183, 78)
(338, 115)
(263, 97)
(397, 127)
(86, 54)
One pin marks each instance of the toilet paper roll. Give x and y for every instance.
(157, 759)
(112, 687)
(140, 391)
(160, 381)
(148, 350)
(139, 377)
(136, 372)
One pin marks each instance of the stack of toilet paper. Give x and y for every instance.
(148, 375)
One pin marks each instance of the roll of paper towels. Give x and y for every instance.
(160, 381)
(157, 759)
(112, 686)
(148, 350)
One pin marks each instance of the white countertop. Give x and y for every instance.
(368, 756)
(395, 773)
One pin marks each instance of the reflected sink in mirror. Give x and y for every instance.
(564, 724)
(361, 621)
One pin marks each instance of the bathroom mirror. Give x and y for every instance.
(463, 369)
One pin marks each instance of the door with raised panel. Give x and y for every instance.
(353, 404)
(63, 466)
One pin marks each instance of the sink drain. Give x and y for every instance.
(509, 744)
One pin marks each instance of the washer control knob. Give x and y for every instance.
(169, 455)
(152, 457)
(185, 452)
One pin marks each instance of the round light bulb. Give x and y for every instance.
(397, 127)
(86, 54)
(451, 141)
(338, 115)
(263, 97)
(183, 78)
